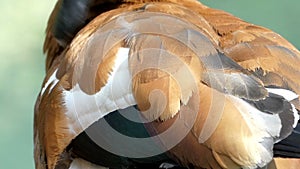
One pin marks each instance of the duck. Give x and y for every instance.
(138, 84)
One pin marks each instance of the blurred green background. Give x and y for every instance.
(22, 62)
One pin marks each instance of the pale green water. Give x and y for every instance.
(22, 62)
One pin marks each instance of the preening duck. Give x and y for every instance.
(165, 84)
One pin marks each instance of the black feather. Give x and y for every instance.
(73, 15)
(226, 76)
(276, 104)
(290, 146)
(84, 146)
(70, 19)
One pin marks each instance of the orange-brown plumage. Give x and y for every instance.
(220, 136)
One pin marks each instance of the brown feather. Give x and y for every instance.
(282, 163)
(272, 59)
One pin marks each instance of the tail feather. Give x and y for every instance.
(290, 146)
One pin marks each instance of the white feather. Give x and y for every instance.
(167, 165)
(296, 115)
(263, 126)
(78, 163)
(287, 94)
(84, 109)
(270, 123)
(51, 81)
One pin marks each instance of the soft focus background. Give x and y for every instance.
(22, 62)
